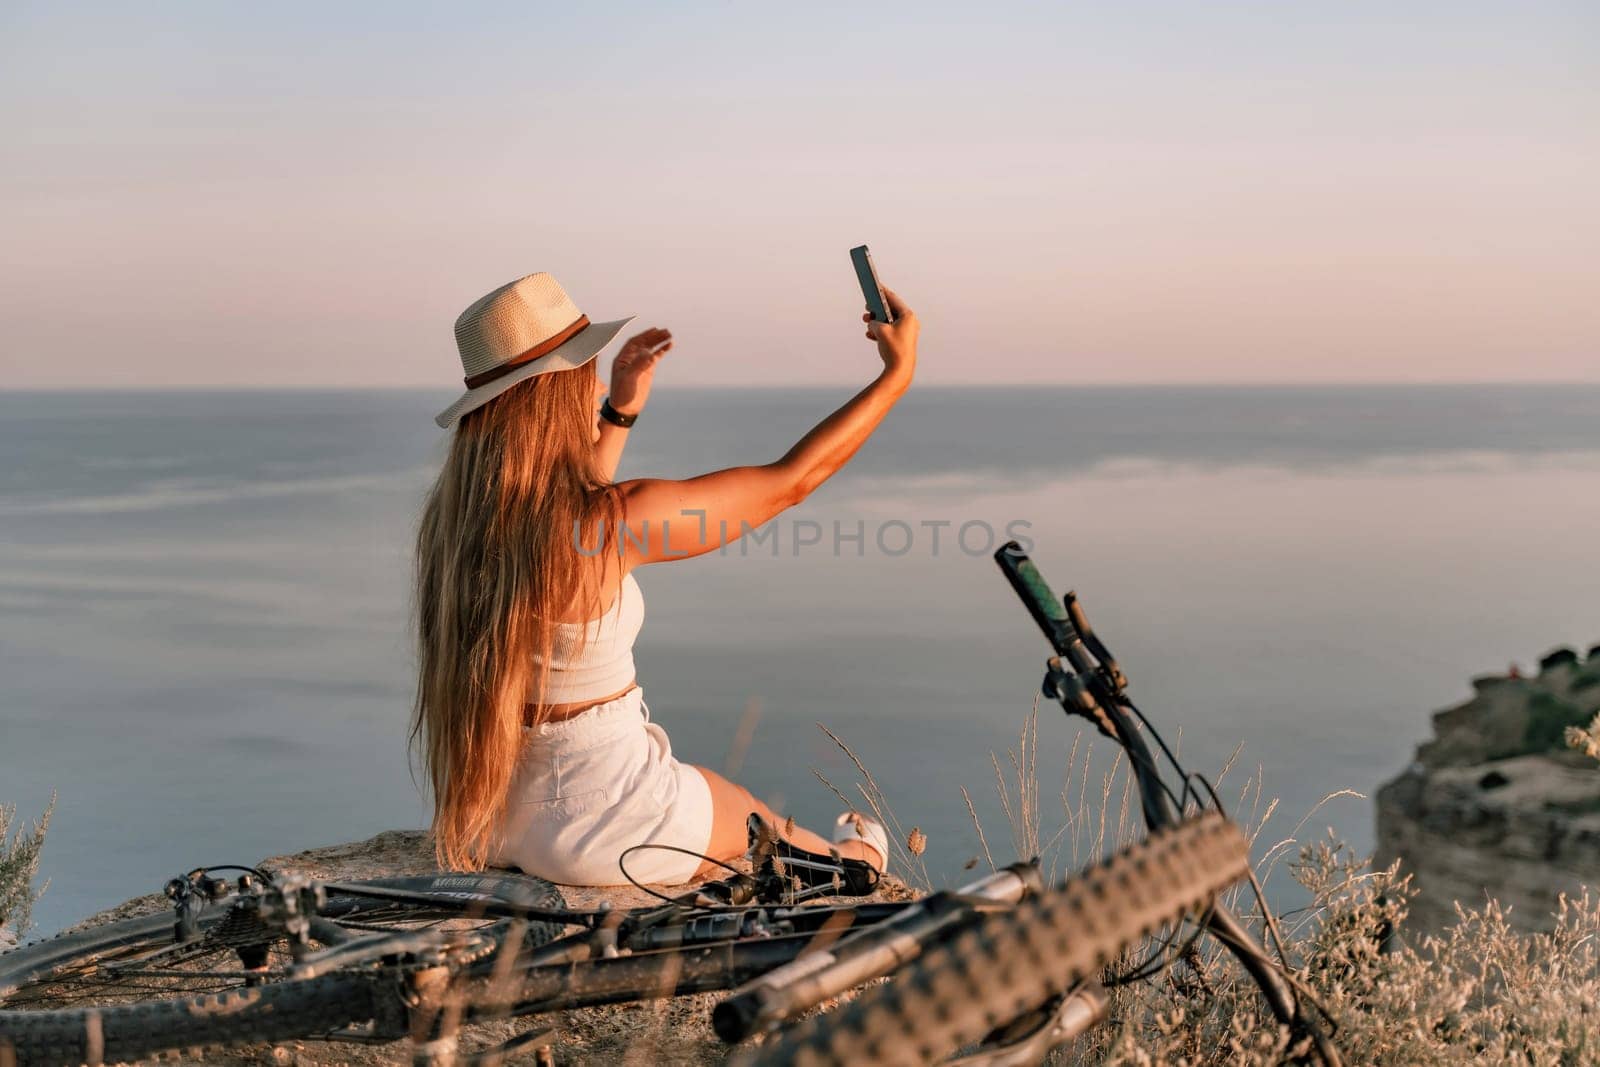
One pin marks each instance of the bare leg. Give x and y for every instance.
(731, 806)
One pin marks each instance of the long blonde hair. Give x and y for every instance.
(497, 566)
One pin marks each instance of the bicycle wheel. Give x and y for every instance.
(127, 989)
(1014, 962)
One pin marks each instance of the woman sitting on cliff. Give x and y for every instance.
(536, 737)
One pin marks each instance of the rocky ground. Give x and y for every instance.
(1496, 804)
(666, 1031)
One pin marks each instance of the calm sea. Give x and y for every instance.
(203, 600)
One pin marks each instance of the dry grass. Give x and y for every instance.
(905, 847)
(1480, 992)
(19, 863)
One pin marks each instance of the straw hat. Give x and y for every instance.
(521, 330)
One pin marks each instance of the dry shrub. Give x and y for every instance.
(1480, 992)
(19, 862)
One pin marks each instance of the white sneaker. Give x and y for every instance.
(853, 826)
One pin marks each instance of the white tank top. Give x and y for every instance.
(604, 664)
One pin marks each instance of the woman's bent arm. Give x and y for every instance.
(679, 519)
(631, 375)
(608, 449)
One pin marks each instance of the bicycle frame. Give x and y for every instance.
(758, 904)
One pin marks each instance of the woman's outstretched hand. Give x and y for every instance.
(897, 340)
(635, 367)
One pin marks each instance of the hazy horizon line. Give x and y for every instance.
(1506, 383)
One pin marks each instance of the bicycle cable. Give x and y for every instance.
(1294, 981)
(1268, 920)
(1146, 766)
(1188, 778)
(622, 865)
(1159, 960)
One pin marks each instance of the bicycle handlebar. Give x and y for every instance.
(1045, 607)
(1097, 693)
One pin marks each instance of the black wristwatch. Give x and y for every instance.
(615, 417)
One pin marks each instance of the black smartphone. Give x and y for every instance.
(871, 289)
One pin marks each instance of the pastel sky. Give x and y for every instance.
(308, 193)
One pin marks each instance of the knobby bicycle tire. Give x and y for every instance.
(274, 1011)
(1013, 962)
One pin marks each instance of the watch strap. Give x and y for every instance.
(615, 417)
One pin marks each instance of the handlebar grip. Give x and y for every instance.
(1045, 607)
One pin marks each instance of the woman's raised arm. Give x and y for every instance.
(631, 374)
(668, 520)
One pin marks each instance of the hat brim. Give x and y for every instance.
(584, 346)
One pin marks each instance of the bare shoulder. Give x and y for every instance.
(607, 572)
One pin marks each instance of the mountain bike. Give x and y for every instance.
(245, 955)
(1022, 982)
(1001, 967)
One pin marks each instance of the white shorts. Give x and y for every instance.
(600, 782)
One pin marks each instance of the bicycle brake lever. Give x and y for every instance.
(1070, 691)
(1108, 669)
